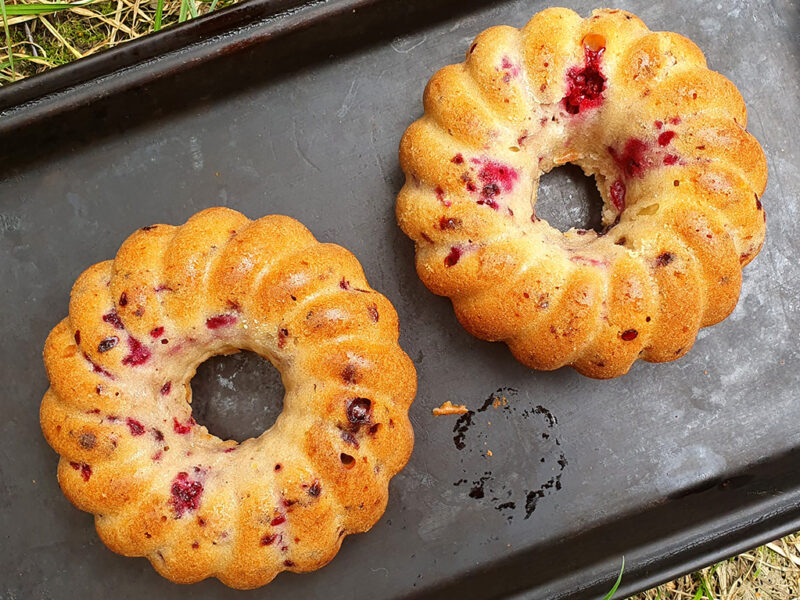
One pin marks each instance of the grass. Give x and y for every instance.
(771, 572)
(614, 588)
(38, 36)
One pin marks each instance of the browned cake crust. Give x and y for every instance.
(158, 483)
(663, 136)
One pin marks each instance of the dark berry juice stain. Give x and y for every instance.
(541, 410)
(464, 422)
(477, 490)
(521, 460)
(460, 429)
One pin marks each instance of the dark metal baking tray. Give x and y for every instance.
(297, 108)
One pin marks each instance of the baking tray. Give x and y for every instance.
(298, 108)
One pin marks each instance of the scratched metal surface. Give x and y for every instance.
(567, 452)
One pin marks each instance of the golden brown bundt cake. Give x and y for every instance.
(159, 484)
(665, 139)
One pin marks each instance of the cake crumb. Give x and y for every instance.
(489, 453)
(498, 402)
(448, 408)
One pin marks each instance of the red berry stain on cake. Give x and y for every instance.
(449, 223)
(658, 124)
(269, 539)
(87, 440)
(163, 288)
(458, 159)
(670, 159)
(495, 178)
(585, 84)
(107, 344)
(629, 335)
(158, 435)
(349, 438)
(157, 332)
(183, 428)
(454, 256)
(282, 335)
(617, 192)
(359, 411)
(488, 193)
(97, 368)
(136, 428)
(86, 470)
(315, 489)
(373, 313)
(279, 520)
(138, 353)
(220, 321)
(186, 494)
(344, 284)
(665, 138)
(633, 161)
(511, 70)
(350, 374)
(441, 197)
(112, 318)
(665, 258)
(78, 333)
(123, 299)
(493, 172)
(166, 388)
(586, 260)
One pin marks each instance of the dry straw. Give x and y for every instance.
(37, 36)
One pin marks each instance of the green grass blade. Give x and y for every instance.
(9, 45)
(184, 11)
(38, 8)
(706, 588)
(159, 13)
(192, 8)
(613, 590)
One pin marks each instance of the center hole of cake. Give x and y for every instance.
(567, 198)
(238, 396)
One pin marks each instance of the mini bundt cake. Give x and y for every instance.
(665, 139)
(158, 483)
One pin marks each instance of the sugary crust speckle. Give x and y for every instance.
(160, 485)
(665, 139)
